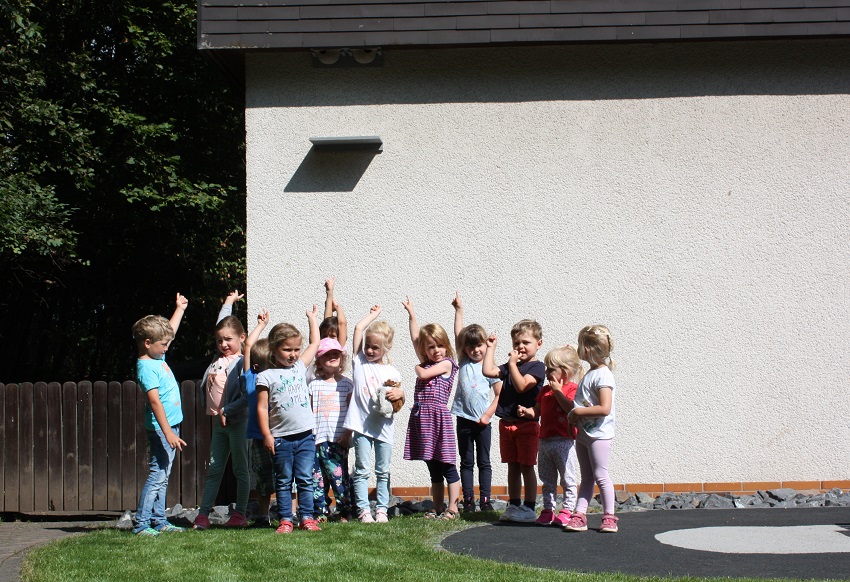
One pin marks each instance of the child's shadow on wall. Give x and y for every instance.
(330, 171)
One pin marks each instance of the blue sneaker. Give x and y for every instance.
(148, 533)
(168, 528)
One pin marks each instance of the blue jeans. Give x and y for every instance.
(363, 469)
(293, 460)
(151, 511)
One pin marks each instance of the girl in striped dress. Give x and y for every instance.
(430, 432)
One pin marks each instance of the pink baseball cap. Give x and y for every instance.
(328, 344)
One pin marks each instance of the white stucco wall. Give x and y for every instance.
(692, 197)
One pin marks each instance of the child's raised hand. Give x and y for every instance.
(513, 357)
(375, 310)
(263, 317)
(491, 339)
(181, 302)
(408, 305)
(329, 284)
(313, 313)
(335, 305)
(233, 297)
(456, 302)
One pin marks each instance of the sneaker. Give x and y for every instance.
(562, 518)
(545, 517)
(381, 516)
(321, 518)
(285, 527)
(168, 528)
(309, 524)
(485, 504)
(148, 533)
(366, 516)
(262, 522)
(468, 506)
(236, 520)
(609, 523)
(201, 522)
(525, 514)
(578, 522)
(510, 513)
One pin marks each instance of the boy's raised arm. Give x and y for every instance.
(361, 326)
(180, 306)
(458, 305)
(262, 322)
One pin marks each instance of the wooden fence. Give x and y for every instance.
(78, 447)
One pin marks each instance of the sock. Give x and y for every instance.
(529, 504)
(515, 502)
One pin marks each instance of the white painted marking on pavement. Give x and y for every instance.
(797, 539)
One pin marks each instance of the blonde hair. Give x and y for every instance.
(279, 334)
(261, 355)
(527, 326)
(153, 328)
(469, 337)
(433, 331)
(382, 328)
(596, 339)
(565, 358)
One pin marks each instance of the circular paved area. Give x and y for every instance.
(761, 543)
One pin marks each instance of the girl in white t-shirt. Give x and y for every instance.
(330, 394)
(594, 413)
(372, 426)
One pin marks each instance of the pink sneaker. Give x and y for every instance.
(609, 523)
(578, 522)
(285, 527)
(562, 519)
(309, 524)
(545, 517)
(201, 522)
(236, 520)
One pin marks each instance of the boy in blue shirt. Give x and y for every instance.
(163, 415)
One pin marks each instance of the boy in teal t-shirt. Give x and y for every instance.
(163, 415)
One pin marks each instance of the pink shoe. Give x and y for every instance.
(236, 520)
(285, 527)
(309, 524)
(562, 519)
(578, 522)
(201, 522)
(545, 517)
(609, 523)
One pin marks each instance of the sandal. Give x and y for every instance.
(449, 515)
(430, 515)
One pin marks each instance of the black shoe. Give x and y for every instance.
(486, 505)
(261, 522)
(468, 506)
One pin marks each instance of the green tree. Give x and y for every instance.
(121, 174)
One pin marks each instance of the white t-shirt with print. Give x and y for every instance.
(368, 377)
(289, 400)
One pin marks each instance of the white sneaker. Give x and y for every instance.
(510, 512)
(525, 514)
(381, 516)
(366, 516)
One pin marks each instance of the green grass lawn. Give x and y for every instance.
(404, 549)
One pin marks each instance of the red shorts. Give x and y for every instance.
(518, 441)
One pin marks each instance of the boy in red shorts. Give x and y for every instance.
(522, 377)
